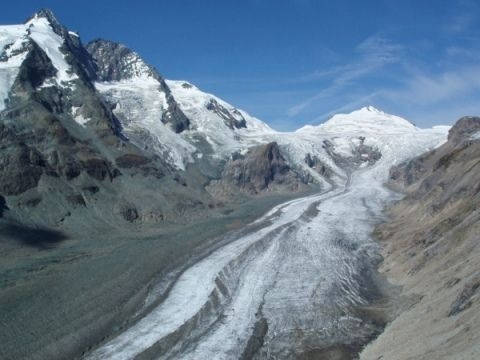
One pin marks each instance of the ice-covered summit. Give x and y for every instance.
(367, 120)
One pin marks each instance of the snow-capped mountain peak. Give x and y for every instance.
(367, 120)
(16, 41)
(41, 30)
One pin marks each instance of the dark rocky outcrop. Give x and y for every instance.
(131, 160)
(262, 169)
(116, 62)
(466, 298)
(319, 166)
(463, 128)
(3, 205)
(127, 210)
(20, 168)
(361, 154)
(233, 118)
(259, 168)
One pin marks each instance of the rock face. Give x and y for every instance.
(464, 128)
(319, 166)
(115, 62)
(361, 154)
(262, 168)
(431, 249)
(233, 119)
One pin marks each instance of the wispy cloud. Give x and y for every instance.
(464, 18)
(373, 53)
(352, 105)
(460, 23)
(423, 89)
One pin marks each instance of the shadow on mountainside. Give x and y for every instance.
(35, 237)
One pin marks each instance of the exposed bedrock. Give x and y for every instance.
(361, 154)
(262, 169)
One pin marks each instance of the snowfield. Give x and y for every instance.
(140, 105)
(12, 39)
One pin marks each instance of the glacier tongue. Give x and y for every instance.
(302, 272)
(324, 240)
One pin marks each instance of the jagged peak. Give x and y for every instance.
(50, 17)
(103, 42)
(117, 61)
(46, 13)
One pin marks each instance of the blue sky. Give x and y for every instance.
(298, 62)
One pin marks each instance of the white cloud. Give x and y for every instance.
(373, 53)
(422, 89)
(350, 106)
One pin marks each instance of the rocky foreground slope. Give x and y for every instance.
(431, 248)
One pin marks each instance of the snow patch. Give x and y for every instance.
(12, 39)
(78, 116)
(475, 136)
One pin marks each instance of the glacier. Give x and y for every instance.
(303, 272)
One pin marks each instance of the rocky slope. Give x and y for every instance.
(431, 249)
